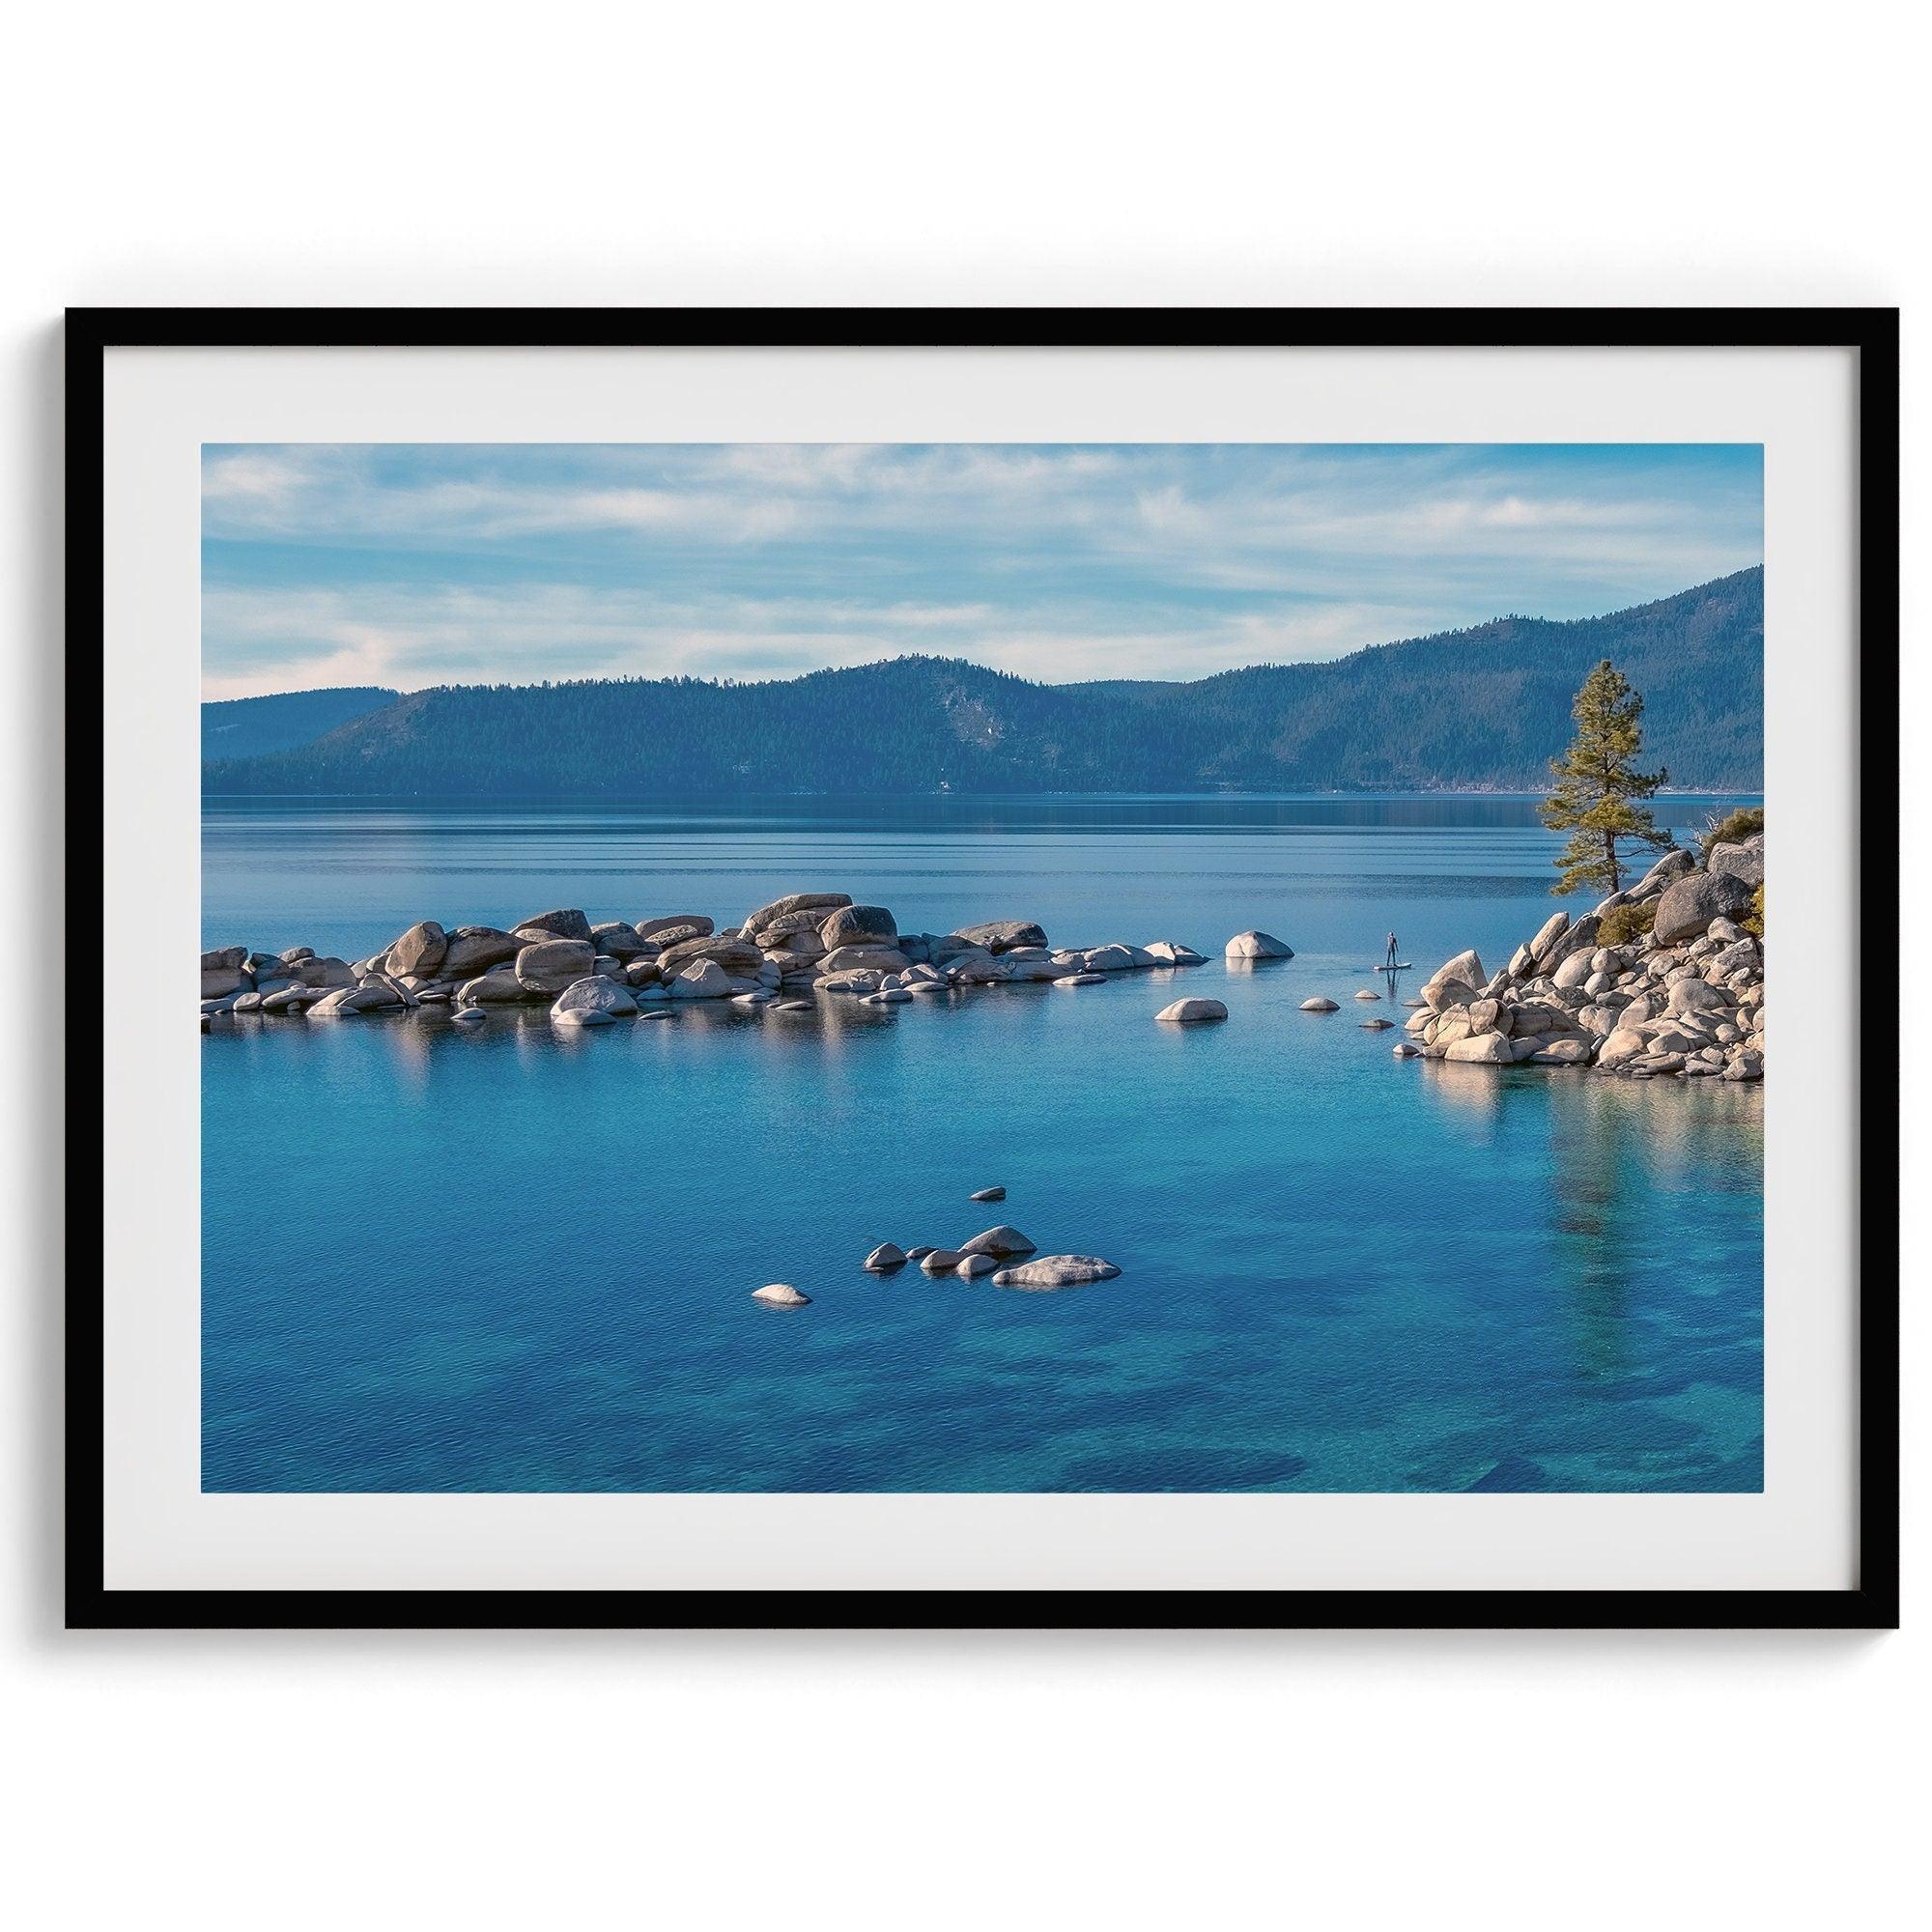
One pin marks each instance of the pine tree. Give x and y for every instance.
(1597, 785)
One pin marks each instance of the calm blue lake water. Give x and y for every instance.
(517, 1260)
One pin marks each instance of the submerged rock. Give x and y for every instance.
(977, 1265)
(941, 1261)
(1056, 1271)
(988, 1194)
(885, 1257)
(1513, 1475)
(1171, 953)
(1318, 1004)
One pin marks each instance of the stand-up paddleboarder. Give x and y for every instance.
(1392, 955)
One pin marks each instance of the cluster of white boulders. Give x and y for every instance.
(1241, 951)
(996, 1253)
(806, 943)
(1685, 999)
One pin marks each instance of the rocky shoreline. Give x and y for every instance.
(1659, 979)
(1678, 991)
(804, 944)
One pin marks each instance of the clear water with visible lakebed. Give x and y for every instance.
(518, 1260)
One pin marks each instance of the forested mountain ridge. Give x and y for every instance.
(249, 727)
(1480, 708)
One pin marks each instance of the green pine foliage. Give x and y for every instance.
(1599, 787)
(1733, 829)
(1626, 923)
(249, 727)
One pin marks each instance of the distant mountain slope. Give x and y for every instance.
(249, 727)
(1486, 707)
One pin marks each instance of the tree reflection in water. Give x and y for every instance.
(1629, 1164)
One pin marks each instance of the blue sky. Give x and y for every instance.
(411, 565)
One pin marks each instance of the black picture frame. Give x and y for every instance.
(1872, 332)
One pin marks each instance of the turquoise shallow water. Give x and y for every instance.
(515, 1260)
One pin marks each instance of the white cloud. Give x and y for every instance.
(416, 566)
(257, 640)
(257, 480)
(739, 492)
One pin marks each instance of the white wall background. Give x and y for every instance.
(1080, 153)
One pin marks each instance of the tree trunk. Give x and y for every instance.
(1610, 860)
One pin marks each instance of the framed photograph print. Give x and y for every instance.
(981, 968)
